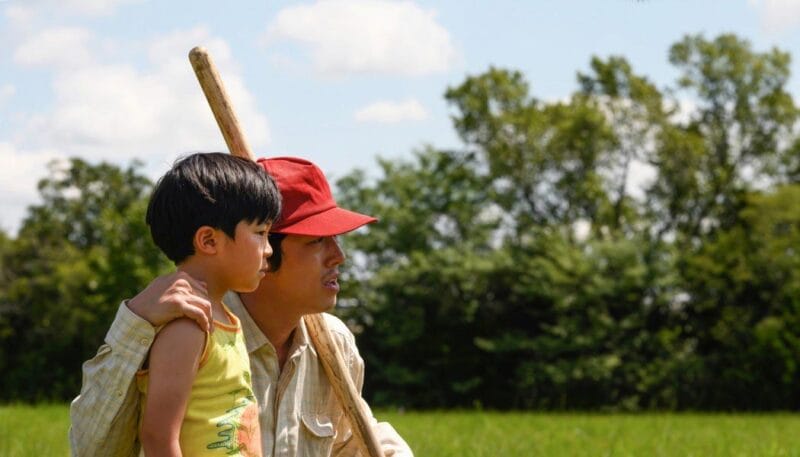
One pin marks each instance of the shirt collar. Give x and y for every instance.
(254, 338)
(301, 339)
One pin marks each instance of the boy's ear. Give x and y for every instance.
(206, 240)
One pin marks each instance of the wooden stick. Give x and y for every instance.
(329, 356)
(343, 386)
(220, 105)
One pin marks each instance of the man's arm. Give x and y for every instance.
(391, 442)
(172, 296)
(104, 417)
(174, 360)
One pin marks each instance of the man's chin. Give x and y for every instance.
(327, 306)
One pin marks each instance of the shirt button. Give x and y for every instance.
(119, 393)
(144, 341)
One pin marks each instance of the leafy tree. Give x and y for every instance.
(433, 205)
(636, 113)
(77, 255)
(743, 313)
(533, 275)
(544, 160)
(743, 118)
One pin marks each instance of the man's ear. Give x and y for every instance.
(206, 240)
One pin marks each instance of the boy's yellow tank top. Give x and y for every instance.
(222, 415)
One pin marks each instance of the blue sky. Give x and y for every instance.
(337, 81)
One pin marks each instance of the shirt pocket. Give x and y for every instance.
(318, 432)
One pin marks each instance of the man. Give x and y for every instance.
(298, 411)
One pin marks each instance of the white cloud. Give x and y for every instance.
(78, 7)
(94, 7)
(581, 229)
(778, 15)
(118, 111)
(19, 15)
(388, 112)
(6, 92)
(62, 47)
(19, 174)
(641, 175)
(366, 36)
(684, 109)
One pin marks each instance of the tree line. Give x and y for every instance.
(532, 268)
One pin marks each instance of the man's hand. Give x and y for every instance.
(171, 296)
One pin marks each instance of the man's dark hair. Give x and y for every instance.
(214, 189)
(275, 240)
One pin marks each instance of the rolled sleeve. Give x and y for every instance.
(392, 444)
(104, 417)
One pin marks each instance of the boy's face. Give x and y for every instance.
(244, 258)
(309, 272)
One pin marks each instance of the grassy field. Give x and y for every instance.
(495, 434)
(42, 431)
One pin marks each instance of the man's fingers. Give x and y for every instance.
(184, 281)
(209, 314)
(194, 302)
(198, 286)
(200, 311)
(205, 306)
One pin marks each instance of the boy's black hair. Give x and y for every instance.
(214, 189)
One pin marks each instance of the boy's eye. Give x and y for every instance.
(263, 229)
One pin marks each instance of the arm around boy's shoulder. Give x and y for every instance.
(104, 417)
(171, 296)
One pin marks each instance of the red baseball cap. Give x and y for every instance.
(308, 207)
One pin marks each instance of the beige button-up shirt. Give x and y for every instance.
(298, 411)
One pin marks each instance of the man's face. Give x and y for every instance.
(308, 275)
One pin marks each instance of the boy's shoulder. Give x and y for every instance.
(181, 333)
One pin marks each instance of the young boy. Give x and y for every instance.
(210, 214)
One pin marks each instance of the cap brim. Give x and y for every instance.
(334, 221)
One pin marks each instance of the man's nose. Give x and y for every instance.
(335, 253)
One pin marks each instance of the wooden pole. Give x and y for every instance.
(339, 376)
(220, 104)
(332, 362)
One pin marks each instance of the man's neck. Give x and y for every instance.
(274, 319)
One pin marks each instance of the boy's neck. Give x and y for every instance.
(198, 272)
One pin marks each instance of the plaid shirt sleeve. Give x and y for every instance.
(392, 444)
(104, 417)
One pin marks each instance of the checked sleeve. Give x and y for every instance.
(104, 417)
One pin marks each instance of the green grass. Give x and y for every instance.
(530, 434)
(34, 430)
(42, 431)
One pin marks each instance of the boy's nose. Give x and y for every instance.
(267, 249)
